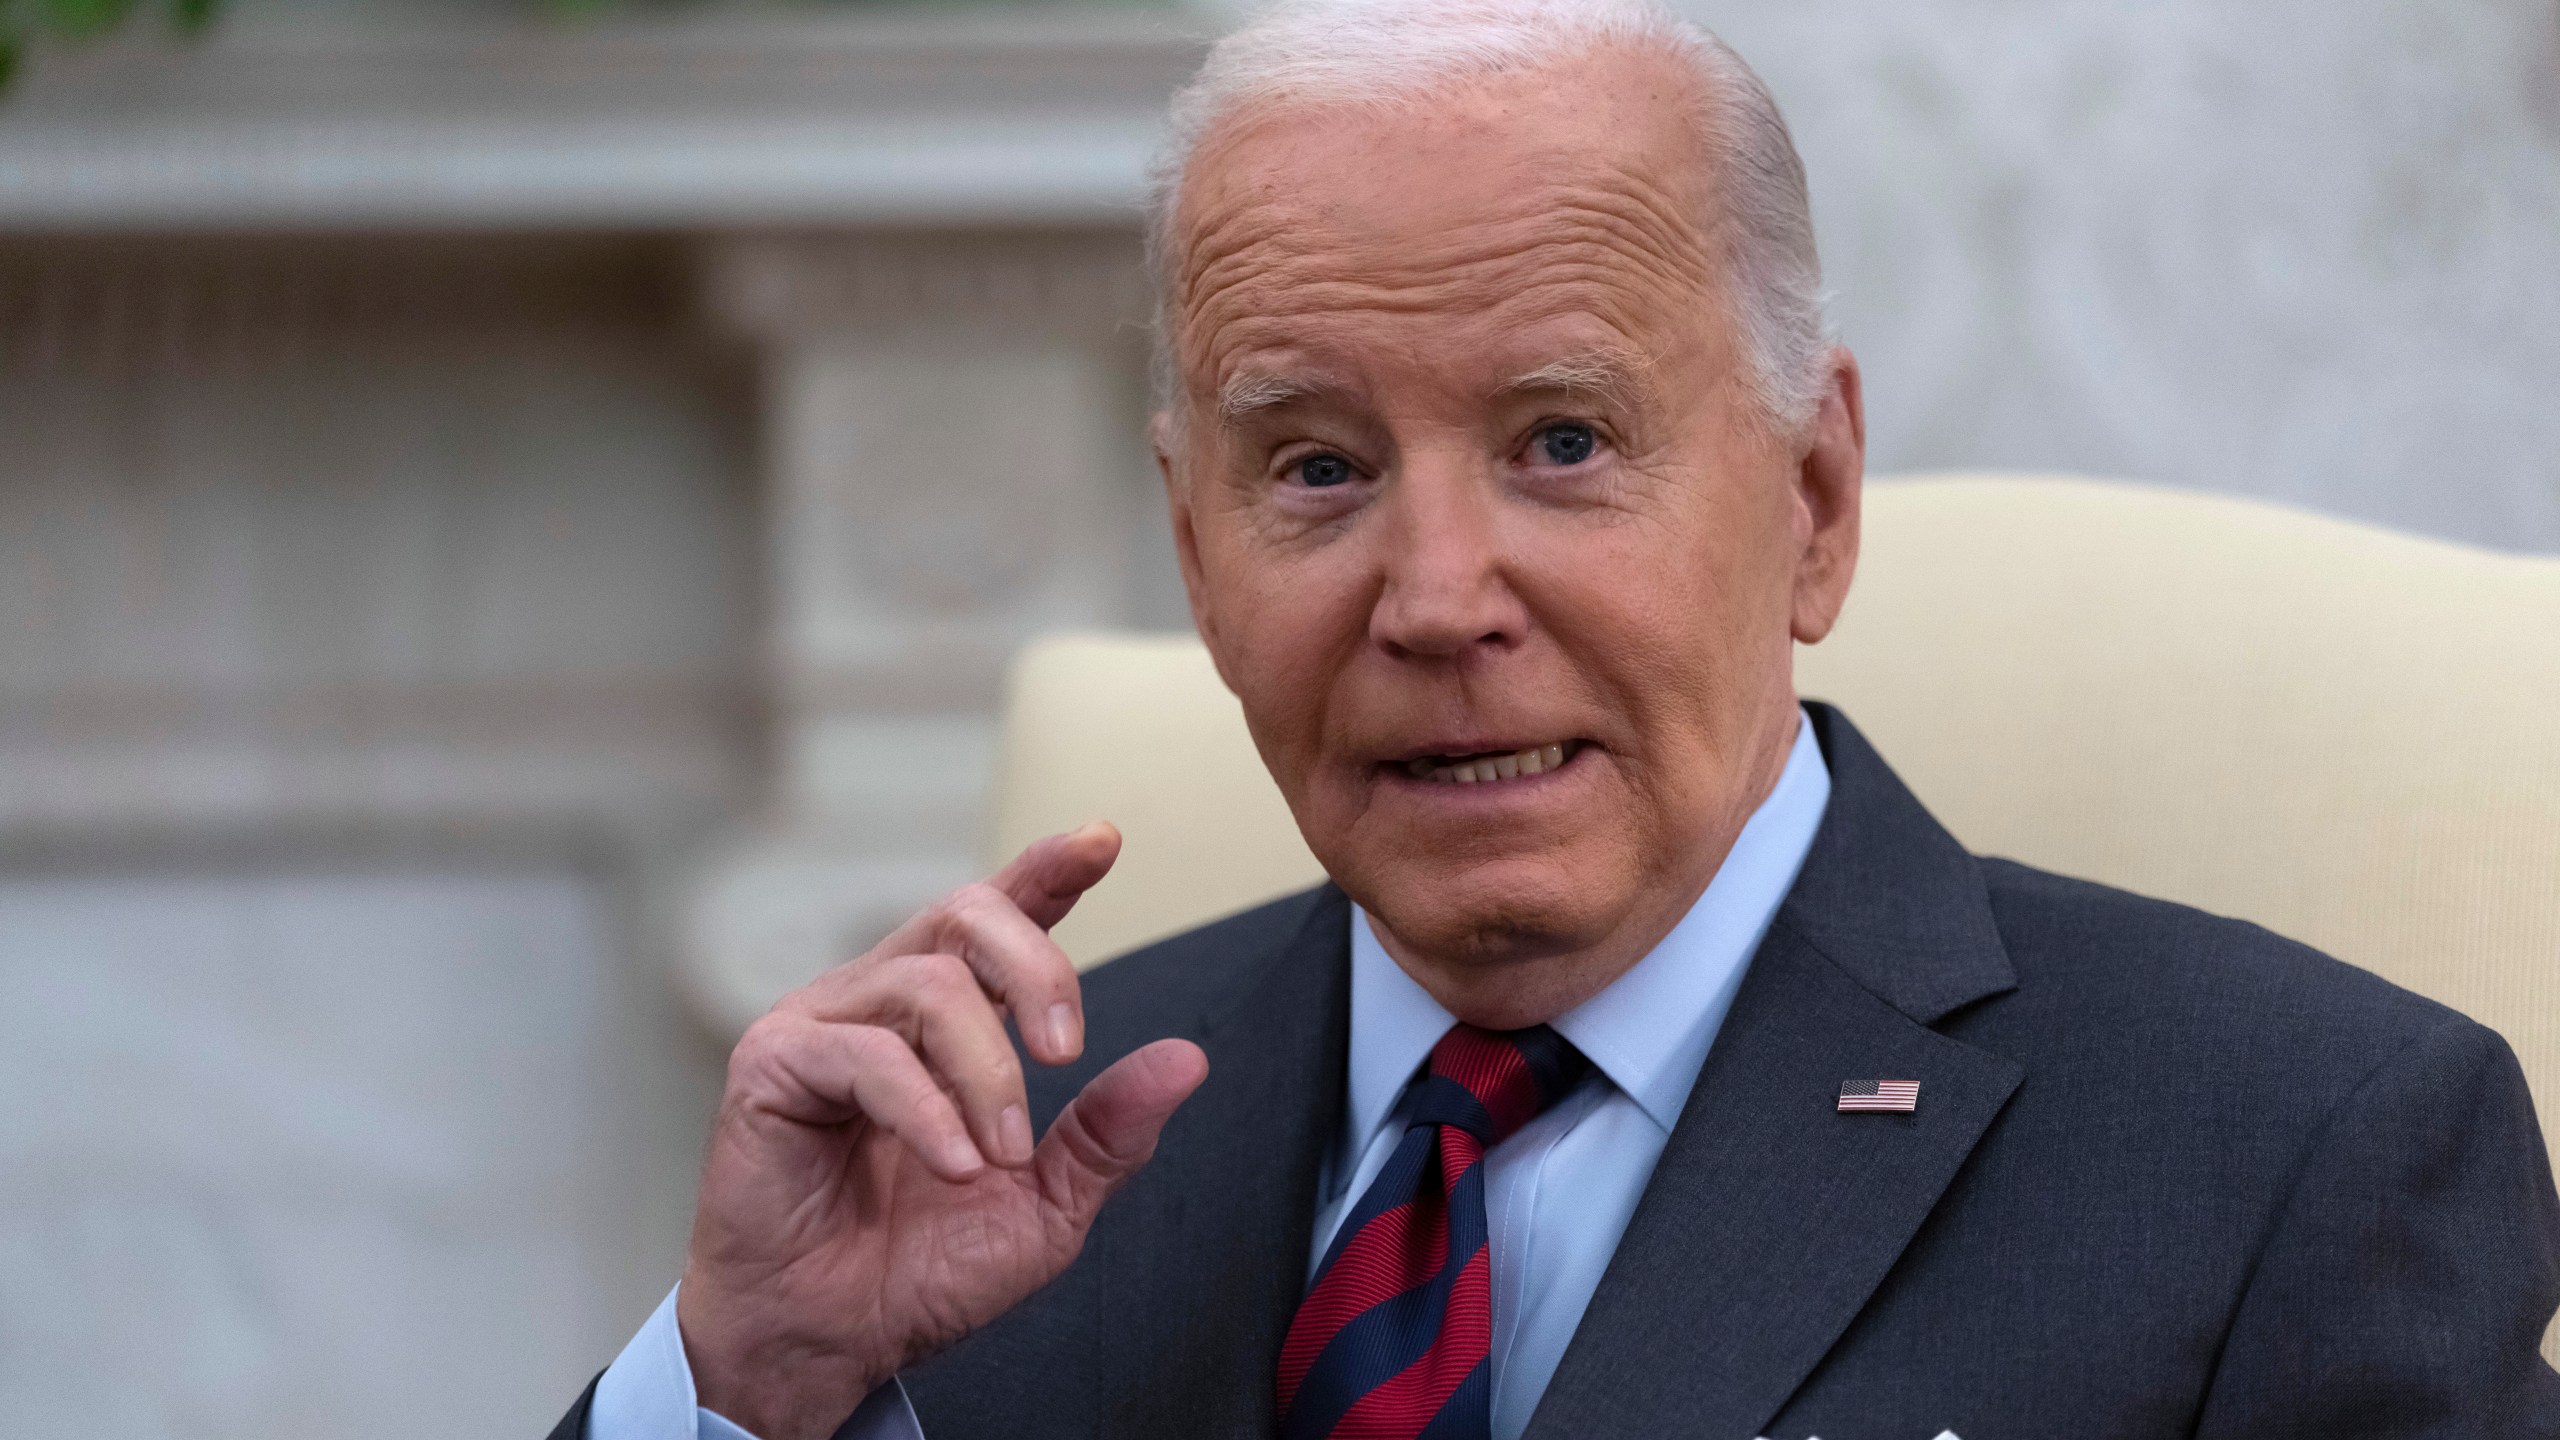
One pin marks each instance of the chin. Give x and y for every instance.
(1488, 912)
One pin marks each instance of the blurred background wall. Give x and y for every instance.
(511, 521)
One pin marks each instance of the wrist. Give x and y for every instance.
(773, 1384)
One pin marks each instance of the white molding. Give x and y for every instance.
(824, 120)
(92, 763)
(93, 305)
(1086, 287)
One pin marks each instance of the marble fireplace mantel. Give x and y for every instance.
(274, 121)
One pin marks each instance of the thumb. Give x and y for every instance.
(1110, 1129)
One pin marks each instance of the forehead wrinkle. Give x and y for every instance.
(1305, 313)
(1616, 239)
(1639, 226)
(1284, 190)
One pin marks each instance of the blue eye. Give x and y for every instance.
(1567, 444)
(1320, 471)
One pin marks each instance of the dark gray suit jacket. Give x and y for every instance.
(2170, 1175)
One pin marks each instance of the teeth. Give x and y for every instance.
(1536, 760)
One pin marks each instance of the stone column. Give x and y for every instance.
(954, 459)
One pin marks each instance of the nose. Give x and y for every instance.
(1445, 593)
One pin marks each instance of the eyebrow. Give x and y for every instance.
(1613, 374)
(1618, 376)
(1250, 394)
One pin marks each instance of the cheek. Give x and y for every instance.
(1626, 594)
(1287, 618)
(1674, 617)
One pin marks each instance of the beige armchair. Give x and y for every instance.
(2348, 735)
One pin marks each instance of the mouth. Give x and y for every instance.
(1489, 767)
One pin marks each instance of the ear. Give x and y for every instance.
(1829, 482)
(1173, 464)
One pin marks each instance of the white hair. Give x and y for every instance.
(1382, 53)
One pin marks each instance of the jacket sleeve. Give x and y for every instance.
(2410, 1271)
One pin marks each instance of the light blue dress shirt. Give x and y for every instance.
(647, 1394)
(1558, 1194)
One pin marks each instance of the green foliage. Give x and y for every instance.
(22, 20)
(81, 17)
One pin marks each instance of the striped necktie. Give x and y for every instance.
(1392, 1339)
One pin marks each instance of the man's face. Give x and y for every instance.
(1480, 522)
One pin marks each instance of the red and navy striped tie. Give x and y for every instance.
(1392, 1339)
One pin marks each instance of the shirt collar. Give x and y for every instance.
(1649, 1031)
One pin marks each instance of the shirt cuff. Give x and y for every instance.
(647, 1394)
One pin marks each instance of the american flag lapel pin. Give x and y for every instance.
(1899, 1096)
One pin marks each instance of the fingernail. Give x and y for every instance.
(961, 1157)
(1013, 1130)
(1062, 1028)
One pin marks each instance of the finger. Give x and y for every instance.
(1110, 1129)
(822, 1073)
(1043, 883)
(1045, 880)
(1008, 959)
(1020, 967)
(938, 1001)
(1001, 928)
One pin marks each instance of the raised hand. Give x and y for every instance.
(872, 1192)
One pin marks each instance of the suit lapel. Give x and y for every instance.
(1771, 1217)
(1209, 1255)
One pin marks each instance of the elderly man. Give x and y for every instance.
(1653, 1063)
